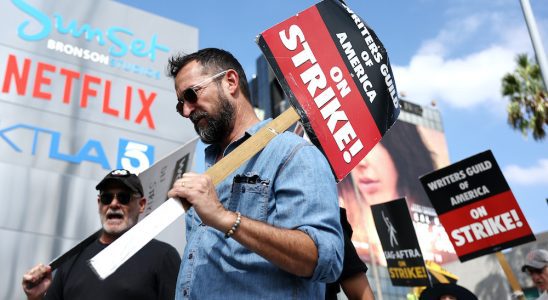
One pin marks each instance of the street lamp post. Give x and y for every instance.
(535, 39)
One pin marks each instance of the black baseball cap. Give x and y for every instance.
(125, 177)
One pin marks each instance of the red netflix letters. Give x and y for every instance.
(18, 72)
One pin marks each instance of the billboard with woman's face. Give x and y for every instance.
(390, 171)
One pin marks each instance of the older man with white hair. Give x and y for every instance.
(536, 263)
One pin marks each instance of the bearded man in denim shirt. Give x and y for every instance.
(270, 230)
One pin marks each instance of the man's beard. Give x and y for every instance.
(219, 125)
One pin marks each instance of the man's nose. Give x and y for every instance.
(188, 108)
(115, 202)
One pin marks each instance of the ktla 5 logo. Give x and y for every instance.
(24, 138)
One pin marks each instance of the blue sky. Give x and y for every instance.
(452, 51)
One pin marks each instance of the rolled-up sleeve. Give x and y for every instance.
(306, 199)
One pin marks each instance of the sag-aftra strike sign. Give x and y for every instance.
(336, 74)
(477, 207)
(399, 244)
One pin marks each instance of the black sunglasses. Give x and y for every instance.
(531, 270)
(190, 94)
(107, 197)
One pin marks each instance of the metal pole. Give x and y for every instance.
(535, 39)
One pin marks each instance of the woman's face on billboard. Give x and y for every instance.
(376, 176)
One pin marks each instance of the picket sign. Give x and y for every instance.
(473, 193)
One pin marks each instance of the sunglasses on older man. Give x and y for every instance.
(190, 94)
(107, 197)
(532, 271)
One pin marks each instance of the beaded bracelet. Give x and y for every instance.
(232, 230)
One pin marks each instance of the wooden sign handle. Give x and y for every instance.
(510, 275)
(251, 146)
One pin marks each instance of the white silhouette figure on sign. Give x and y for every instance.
(391, 230)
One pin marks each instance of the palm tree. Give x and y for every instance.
(528, 107)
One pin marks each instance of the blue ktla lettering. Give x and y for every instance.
(119, 48)
(85, 154)
(132, 155)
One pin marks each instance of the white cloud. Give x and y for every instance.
(455, 33)
(461, 82)
(534, 175)
(463, 66)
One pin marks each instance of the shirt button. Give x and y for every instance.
(190, 256)
(185, 292)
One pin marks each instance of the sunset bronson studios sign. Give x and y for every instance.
(81, 87)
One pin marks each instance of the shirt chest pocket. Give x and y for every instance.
(250, 196)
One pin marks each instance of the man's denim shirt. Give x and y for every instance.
(288, 184)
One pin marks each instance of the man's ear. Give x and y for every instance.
(233, 80)
(142, 204)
